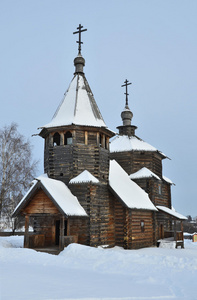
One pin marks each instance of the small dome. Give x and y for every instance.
(126, 116)
(79, 63)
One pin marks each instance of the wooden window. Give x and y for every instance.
(159, 189)
(100, 140)
(68, 138)
(56, 139)
(142, 225)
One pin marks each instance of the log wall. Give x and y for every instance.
(40, 204)
(95, 200)
(67, 161)
(142, 238)
(133, 161)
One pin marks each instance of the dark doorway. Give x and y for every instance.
(161, 231)
(57, 231)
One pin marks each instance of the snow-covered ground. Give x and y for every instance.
(81, 272)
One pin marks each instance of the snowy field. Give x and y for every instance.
(81, 272)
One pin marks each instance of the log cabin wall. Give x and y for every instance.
(40, 204)
(142, 229)
(79, 226)
(95, 200)
(119, 222)
(163, 223)
(160, 194)
(133, 161)
(88, 151)
(159, 191)
(45, 225)
(129, 233)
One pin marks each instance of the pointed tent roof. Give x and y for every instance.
(143, 173)
(59, 194)
(146, 173)
(127, 190)
(84, 177)
(78, 106)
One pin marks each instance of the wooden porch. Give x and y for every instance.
(51, 239)
(176, 236)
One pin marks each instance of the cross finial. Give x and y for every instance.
(79, 41)
(126, 84)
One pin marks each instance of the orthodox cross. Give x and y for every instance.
(79, 41)
(126, 84)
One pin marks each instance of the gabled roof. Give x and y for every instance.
(78, 106)
(127, 190)
(168, 180)
(144, 173)
(84, 177)
(171, 212)
(59, 194)
(123, 143)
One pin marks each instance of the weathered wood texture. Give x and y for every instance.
(159, 191)
(142, 238)
(99, 228)
(132, 161)
(128, 230)
(163, 223)
(67, 161)
(40, 204)
(45, 225)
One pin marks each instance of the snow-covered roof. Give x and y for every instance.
(84, 177)
(143, 173)
(78, 106)
(123, 143)
(171, 212)
(168, 180)
(127, 190)
(58, 192)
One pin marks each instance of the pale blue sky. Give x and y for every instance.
(151, 43)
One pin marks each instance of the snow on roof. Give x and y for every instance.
(60, 194)
(127, 190)
(171, 212)
(125, 143)
(84, 177)
(168, 180)
(143, 173)
(77, 107)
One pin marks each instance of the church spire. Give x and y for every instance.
(126, 85)
(79, 61)
(126, 115)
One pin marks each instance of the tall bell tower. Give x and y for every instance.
(77, 137)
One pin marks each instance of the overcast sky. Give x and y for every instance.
(152, 43)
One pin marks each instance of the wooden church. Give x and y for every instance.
(98, 187)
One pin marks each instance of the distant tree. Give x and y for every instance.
(189, 218)
(16, 168)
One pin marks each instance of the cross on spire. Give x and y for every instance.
(79, 41)
(126, 84)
